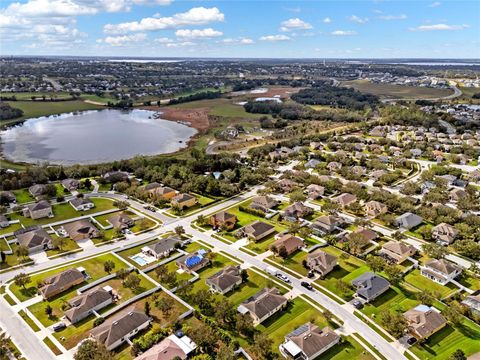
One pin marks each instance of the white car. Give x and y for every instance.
(283, 278)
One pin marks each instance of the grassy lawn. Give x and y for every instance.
(23, 196)
(442, 344)
(38, 95)
(64, 212)
(12, 260)
(469, 281)
(262, 245)
(415, 279)
(52, 346)
(74, 333)
(296, 314)
(93, 267)
(11, 228)
(70, 245)
(4, 245)
(349, 349)
(28, 320)
(293, 262)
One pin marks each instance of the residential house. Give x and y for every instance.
(193, 262)
(287, 185)
(117, 330)
(377, 131)
(370, 286)
(35, 238)
(280, 153)
(357, 170)
(344, 199)
(424, 321)
(365, 235)
(321, 262)
(377, 174)
(4, 222)
(290, 243)
(183, 201)
(172, 347)
(315, 145)
(225, 280)
(408, 220)
(312, 163)
(38, 190)
(334, 166)
(315, 191)
(61, 282)
(164, 192)
(81, 230)
(223, 220)
(297, 211)
(444, 233)
(7, 197)
(85, 304)
(82, 203)
(71, 184)
(326, 224)
(163, 248)
(397, 251)
(263, 203)
(375, 208)
(263, 304)
(121, 221)
(115, 176)
(39, 210)
(256, 231)
(441, 271)
(472, 301)
(308, 342)
(457, 194)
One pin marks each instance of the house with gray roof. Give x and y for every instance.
(82, 203)
(256, 231)
(163, 248)
(39, 210)
(35, 238)
(85, 304)
(71, 184)
(263, 203)
(38, 190)
(225, 280)
(408, 220)
(370, 286)
(263, 304)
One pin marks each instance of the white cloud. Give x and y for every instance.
(238, 41)
(393, 17)
(39, 8)
(343, 33)
(439, 27)
(294, 24)
(275, 38)
(327, 20)
(194, 16)
(153, 2)
(171, 43)
(358, 20)
(197, 34)
(123, 40)
(435, 4)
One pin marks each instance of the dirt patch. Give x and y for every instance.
(196, 118)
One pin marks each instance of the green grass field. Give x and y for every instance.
(52, 346)
(28, 320)
(415, 279)
(348, 349)
(38, 95)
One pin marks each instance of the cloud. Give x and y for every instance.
(393, 17)
(122, 40)
(439, 27)
(358, 20)
(275, 38)
(238, 41)
(171, 43)
(327, 20)
(197, 34)
(153, 2)
(435, 4)
(343, 33)
(294, 10)
(294, 24)
(194, 16)
(39, 8)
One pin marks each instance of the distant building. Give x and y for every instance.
(115, 176)
(315, 191)
(375, 208)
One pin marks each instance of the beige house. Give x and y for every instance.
(81, 230)
(263, 203)
(424, 321)
(256, 231)
(263, 304)
(290, 243)
(397, 251)
(345, 199)
(375, 208)
(444, 233)
(225, 280)
(321, 262)
(223, 219)
(315, 191)
(61, 282)
(34, 238)
(183, 201)
(39, 210)
(441, 271)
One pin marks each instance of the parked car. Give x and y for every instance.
(59, 326)
(283, 278)
(307, 285)
(411, 341)
(310, 274)
(357, 304)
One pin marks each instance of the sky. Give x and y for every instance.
(248, 29)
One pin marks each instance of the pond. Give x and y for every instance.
(90, 137)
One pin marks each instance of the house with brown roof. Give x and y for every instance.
(334, 166)
(375, 208)
(38, 190)
(344, 199)
(39, 210)
(441, 271)
(225, 280)
(223, 220)
(424, 321)
(35, 238)
(85, 304)
(457, 194)
(117, 330)
(315, 191)
(121, 221)
(172, 347)
(256, 231)
(444, 233)
(280, 153)
(397, 251)
(308, 342)
(296, 211)
(263, 203)
(71, 184)
(321, 262)
(365, 235)
(164, 192)
(326, 224)
(194, 261)
(183, 201)
(263, 304)
(81, 229)
(472, 301)
(115, 176)
(287, 185)
(290, 243)
(61, 282)
(82, 203)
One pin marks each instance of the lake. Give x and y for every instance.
(93, 137)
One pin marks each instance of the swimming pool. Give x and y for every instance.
(139, 260)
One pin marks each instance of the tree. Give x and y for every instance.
(394, 322)
(244, 325)
(108, 266)
(225, 312)
(146, 308)
(161, 271)
(59, 242)
(244, 275)
(282, 252)
(21, 251)
(132, 281)
(458, 355)
(203, 298)
(179, 230)
(327, 314)
(122, 274)
(22, 279)
(453, 313)
(201, 220)
(4, 346)
(297, 196)
(376, 263)
(394, 274)
(294, 228)
(225, 352)
(262, 346)
(92, 350)
(164, 304)
(426, 297)
(434, 250)
(122, 205)
(342, 286)
(48, 311)
(305, 232)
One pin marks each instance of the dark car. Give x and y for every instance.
(310, 274)
(357, 303)
(59, 326)
(306, 285)
(411, 341)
